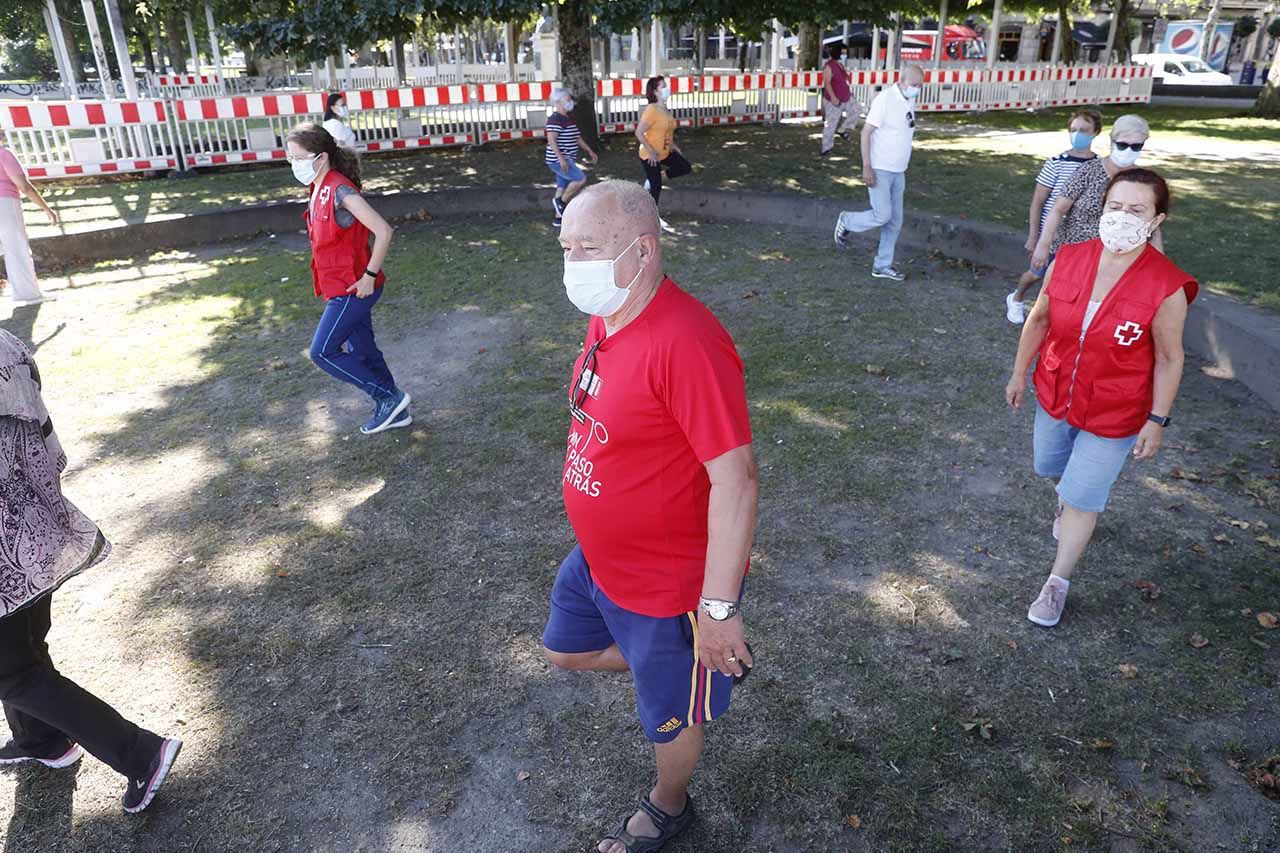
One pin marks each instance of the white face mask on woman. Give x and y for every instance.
(340, 110)
(305, 170)
(1124, 157)
(663, 93)
(591, 288)
(1122, 231)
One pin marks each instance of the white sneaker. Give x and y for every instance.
(1014, 311)
(22, 303)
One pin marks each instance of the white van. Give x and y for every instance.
(1179, 69)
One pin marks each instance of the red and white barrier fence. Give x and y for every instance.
(58, 139)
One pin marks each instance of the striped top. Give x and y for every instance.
(1054, 174)
(567, 138)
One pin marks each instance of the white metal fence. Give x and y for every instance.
(59, 139)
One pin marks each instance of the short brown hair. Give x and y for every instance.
(1146, 177)
(1094, 117)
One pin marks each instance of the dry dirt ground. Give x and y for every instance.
(345, 630)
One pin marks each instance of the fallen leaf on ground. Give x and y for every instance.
(1150, 589)
(1188, 475)
(1222, 537)
(523, 776)
(1198, 641)
(1198, 548)
(1235, 522)
(853, 821)
(1127, 670)
(751, 294)
(283, 573)
(874, 369)
(1189, 777)
(1012, 644)
(1102, 743)
(1268, 620)
(1268, 540)
(981, 725)
(1266, 777)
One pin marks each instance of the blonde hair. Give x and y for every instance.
(1130, 124)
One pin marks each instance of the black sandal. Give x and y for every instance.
(668, 826)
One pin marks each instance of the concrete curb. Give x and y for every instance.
(1242, 343)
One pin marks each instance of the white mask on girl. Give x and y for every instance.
(1122, 232)
(340, 111)
(663, 93)
(591, 288)
(305, 170)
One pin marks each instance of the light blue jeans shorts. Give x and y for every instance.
(1086, 465)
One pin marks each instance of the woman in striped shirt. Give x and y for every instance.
(563, 140)
(1083, 127)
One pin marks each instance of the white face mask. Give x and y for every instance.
(340, 111)
(591, 288)
(910, 91)
(305, 170)
(1123, 232)
(663, 93)
(1124, 157)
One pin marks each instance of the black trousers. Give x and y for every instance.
(45, 709)
(675, 166)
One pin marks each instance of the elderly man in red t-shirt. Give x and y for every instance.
(660, 485)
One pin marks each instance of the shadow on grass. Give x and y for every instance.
(361, 618)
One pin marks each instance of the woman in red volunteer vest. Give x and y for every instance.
(1108, 331)
(346, 272)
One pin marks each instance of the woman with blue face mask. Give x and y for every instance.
(1075, 215)
(335, 120)
(1083, 127)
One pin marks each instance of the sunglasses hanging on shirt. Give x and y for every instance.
(578, 391)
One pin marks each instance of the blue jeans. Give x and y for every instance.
(1085, 464)
(885, 214)
(349, 320)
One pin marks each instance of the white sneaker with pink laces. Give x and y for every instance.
(1047, 609)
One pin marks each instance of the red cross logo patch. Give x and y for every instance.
(324, 195)
(1128, 332)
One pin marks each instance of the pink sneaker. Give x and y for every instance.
(1047, 609)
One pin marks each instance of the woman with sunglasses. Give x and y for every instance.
(1075, 215)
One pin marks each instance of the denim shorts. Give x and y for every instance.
(563, 178)
(1087, 464)
(1039, 273)
(673, 690)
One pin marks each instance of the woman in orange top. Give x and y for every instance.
(656, 132)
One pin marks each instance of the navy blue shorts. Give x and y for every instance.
(673, 690)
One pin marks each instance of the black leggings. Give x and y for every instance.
(675, 165)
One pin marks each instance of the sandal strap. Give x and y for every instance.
(658, 816)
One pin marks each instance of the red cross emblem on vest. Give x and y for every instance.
(1128, 332)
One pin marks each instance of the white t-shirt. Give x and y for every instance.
(894, 118)
(341, 134)
(1090, 311)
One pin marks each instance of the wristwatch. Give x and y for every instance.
(1156, 419)
(718, 610)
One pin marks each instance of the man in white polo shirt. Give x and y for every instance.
(886, 151)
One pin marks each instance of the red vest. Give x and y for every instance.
(1101, 382)
(339, 256)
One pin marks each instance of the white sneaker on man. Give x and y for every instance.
(1014, 311)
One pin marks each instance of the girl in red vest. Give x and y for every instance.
(346, 272)
(1108, 332)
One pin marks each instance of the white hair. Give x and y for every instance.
(1130, 124)
(559, 96)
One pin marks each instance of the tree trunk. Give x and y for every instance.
(575, 66)
(1067, 54)
(73, 45)
(177, 56)
(147, 56)
(1206, 37)
(1269, 100)
(808, 47)
(397, 59)
(1121, 23)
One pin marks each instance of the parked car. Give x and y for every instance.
(1176, 69)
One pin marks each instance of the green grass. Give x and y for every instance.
(970, 166)
(372, 608)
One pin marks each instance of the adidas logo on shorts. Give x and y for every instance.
(670, 725)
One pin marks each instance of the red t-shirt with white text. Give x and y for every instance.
(666, 396)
